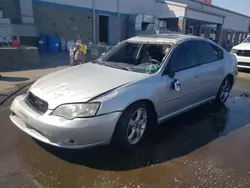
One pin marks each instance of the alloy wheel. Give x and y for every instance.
(137, 125)
(225, 90)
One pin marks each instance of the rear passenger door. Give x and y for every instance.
(211, 68)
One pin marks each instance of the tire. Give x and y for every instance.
(224, 91)
(129, 132)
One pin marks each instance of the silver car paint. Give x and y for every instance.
(81, 83)
(116, 90)
(198, 85)
(58, 131)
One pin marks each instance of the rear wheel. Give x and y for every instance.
(133, 124)
(224, 91)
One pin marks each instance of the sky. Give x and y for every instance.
(241, 6)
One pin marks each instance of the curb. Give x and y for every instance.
(8, 93)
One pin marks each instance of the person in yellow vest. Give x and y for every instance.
(83, 49)
(80, 51)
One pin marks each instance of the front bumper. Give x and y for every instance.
(57, 131)
(243, 62)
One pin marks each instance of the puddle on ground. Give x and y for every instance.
(178, 153)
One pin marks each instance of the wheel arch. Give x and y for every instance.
(230, 77)
(149, 104)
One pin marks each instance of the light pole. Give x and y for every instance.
(94, 21)
(118, 8)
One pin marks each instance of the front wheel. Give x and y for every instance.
(224, 91)
(132, 125)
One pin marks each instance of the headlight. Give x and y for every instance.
(71, 111)
(234, 51)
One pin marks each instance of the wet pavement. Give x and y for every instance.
(207, 147)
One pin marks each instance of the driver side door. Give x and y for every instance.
(182, 67)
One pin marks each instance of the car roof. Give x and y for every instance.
(162, 38)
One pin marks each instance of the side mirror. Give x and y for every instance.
(171, 74)
(168, 72)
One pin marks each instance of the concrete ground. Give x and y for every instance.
(207, 147)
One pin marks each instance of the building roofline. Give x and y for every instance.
(173, 3)
(201, 3)
(214, 6)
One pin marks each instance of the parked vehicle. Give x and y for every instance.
(242, 52)
(140, 82)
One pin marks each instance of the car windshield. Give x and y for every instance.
(137, 57)
(247, 40)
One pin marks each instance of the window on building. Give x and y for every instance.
(240, 38)
(202, 30)
(162, 24)
(244, 36)
(233, 38)
(247, 40)
(190, 30)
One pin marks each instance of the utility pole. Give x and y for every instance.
(94, 21)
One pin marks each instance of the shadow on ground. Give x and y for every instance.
(244, 70)
(13, 79)
(48, 60)
(173, 139)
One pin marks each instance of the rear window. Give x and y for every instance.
(209, 53)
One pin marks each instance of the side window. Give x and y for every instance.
(185, 56)
(208, 53)
(218, 51)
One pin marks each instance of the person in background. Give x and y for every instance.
(167, 49)
(80, 51)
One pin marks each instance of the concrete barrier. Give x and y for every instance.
(14, 58)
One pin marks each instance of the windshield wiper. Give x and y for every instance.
(117, 66)
(96, 61)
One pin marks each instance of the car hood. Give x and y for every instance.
(81, 83)
(242, 46)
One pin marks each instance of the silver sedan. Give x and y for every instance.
(141, 82)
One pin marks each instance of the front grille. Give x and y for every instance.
(244, 64)
(37, 104)
(245, 53)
